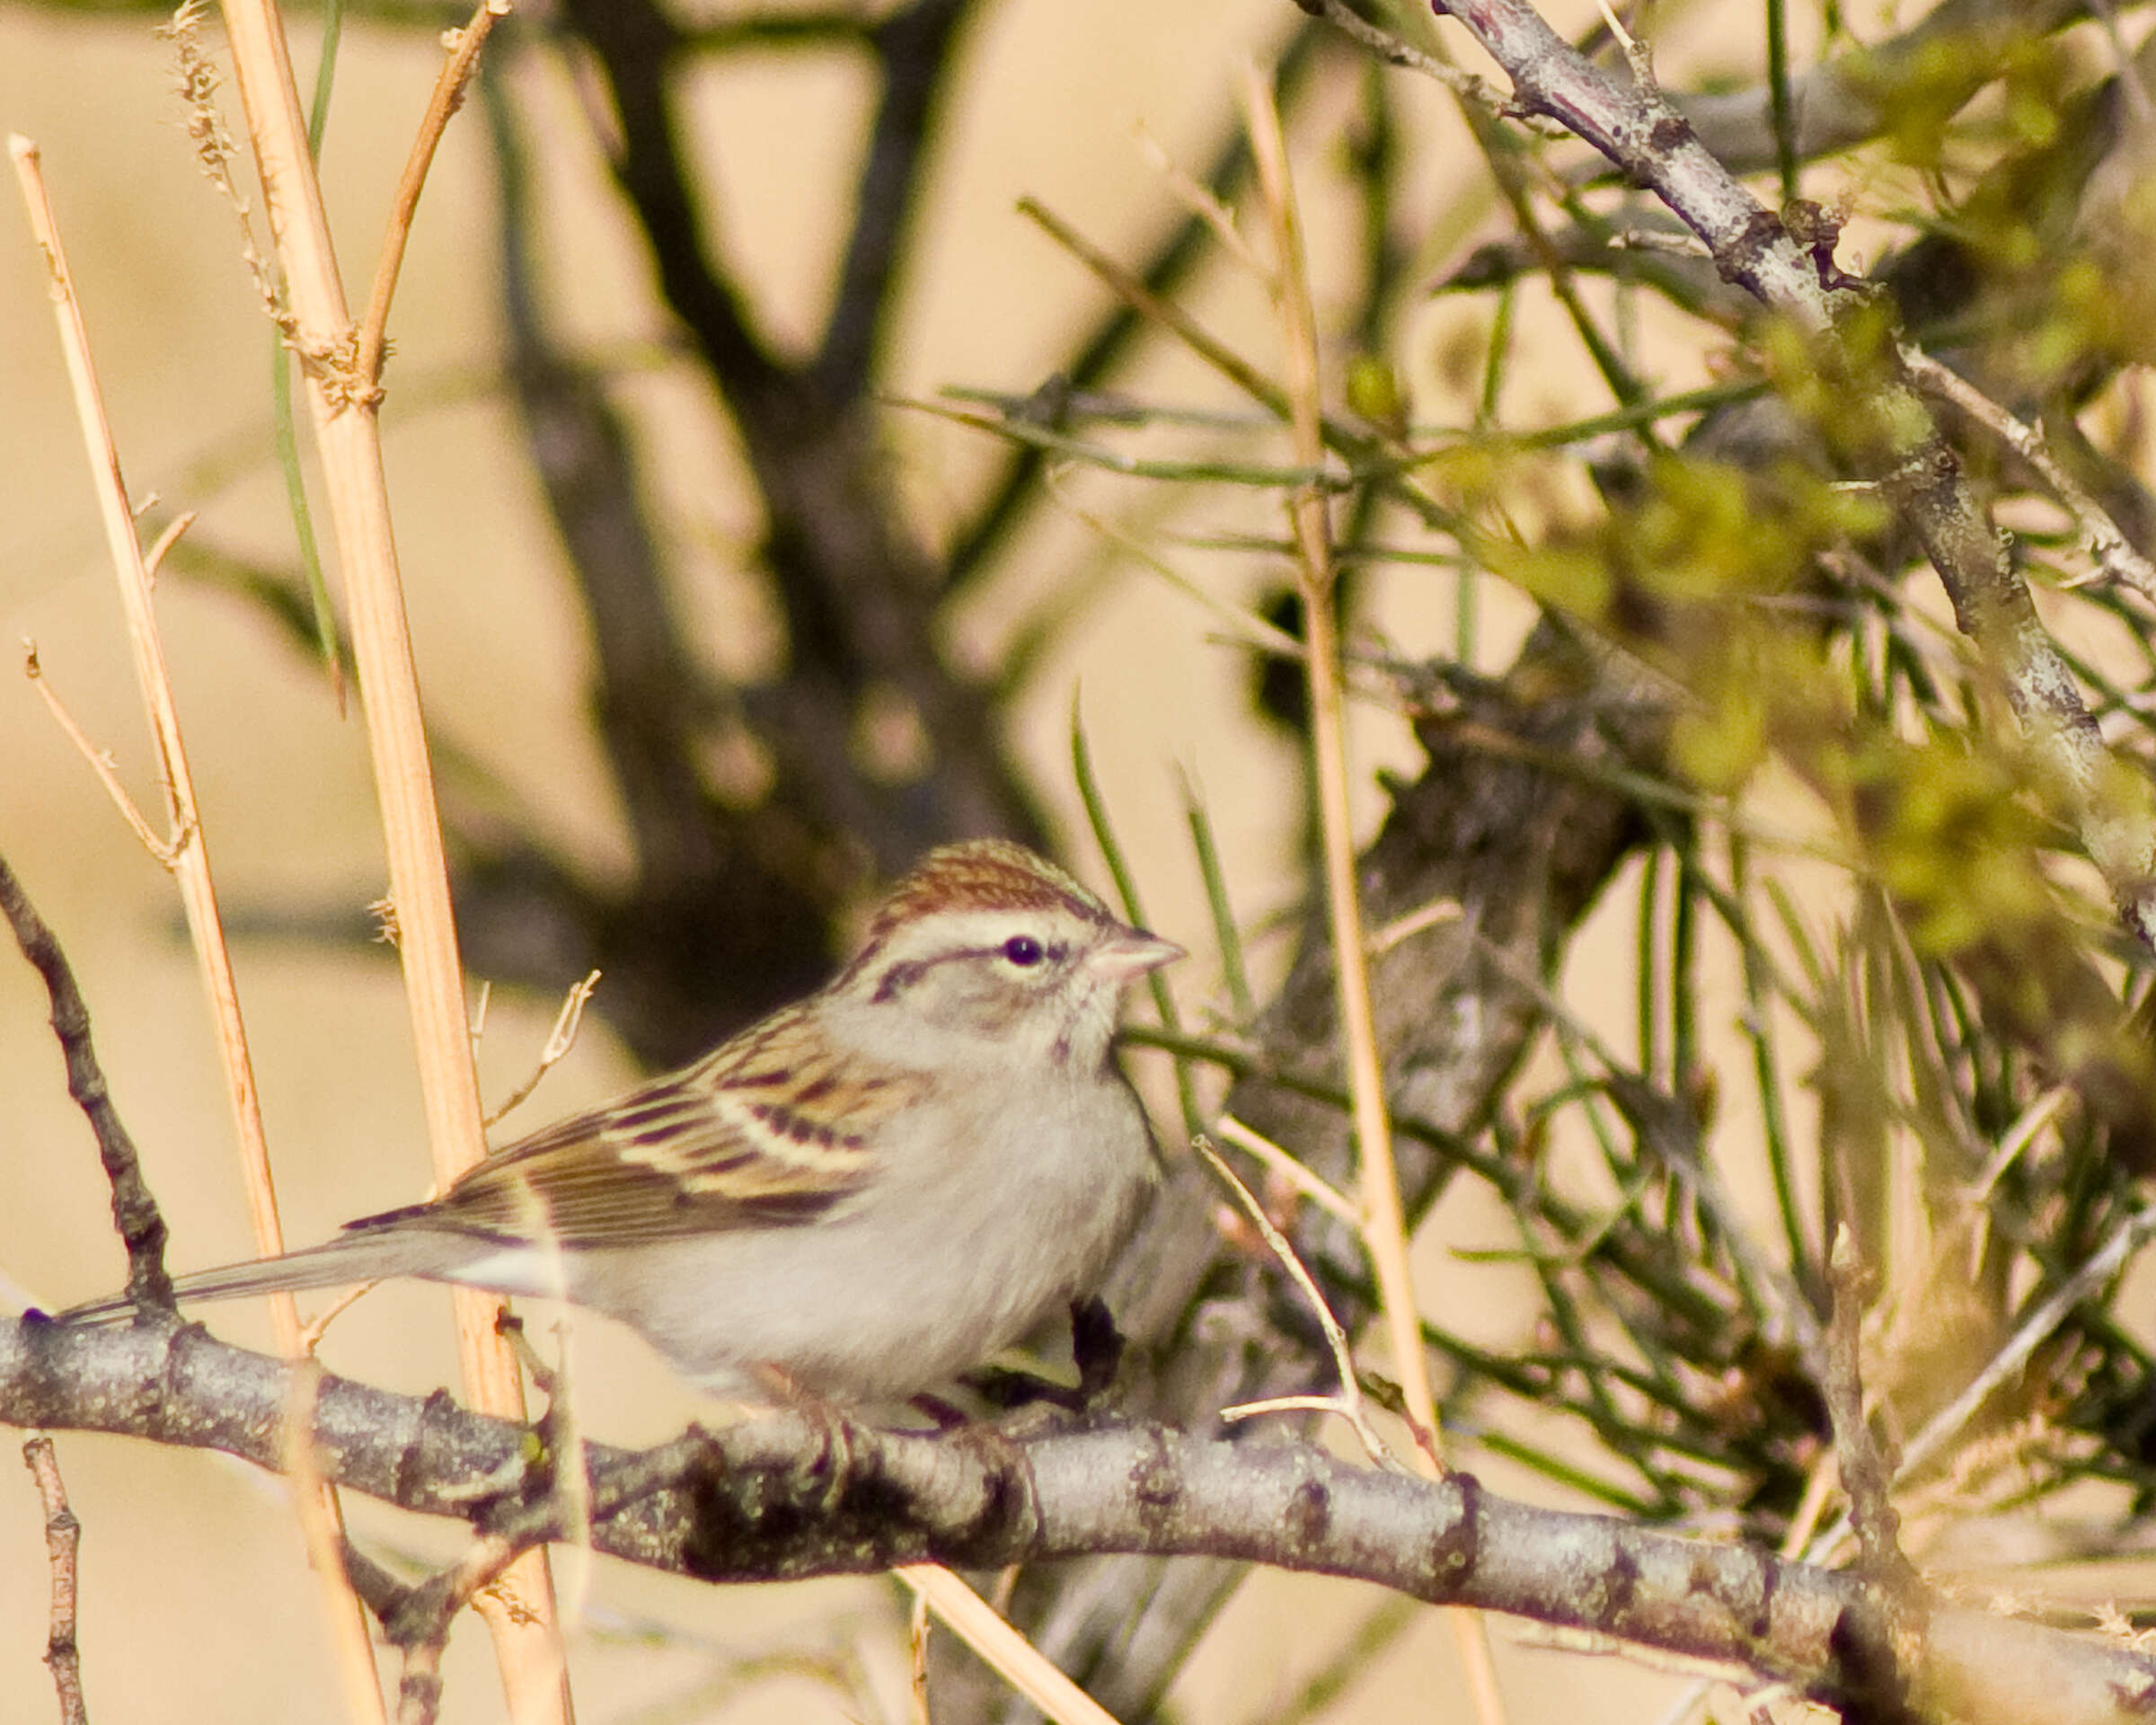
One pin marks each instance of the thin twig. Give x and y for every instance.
(320, 1517)
(448, 96)
(341, 1301)
(2106, 1262)
(152, 559)
(1349, 1403)
(419, 1627)
(1667, 1126)
(559, 1042)
(1251, 629)
(1393, 51)
(62, 1543)
(1175, 471)
(164, 851)
(1302, 1178)
(1204, 204)
(1414, 922)
(1867, 1469)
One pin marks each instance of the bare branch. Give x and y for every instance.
(774, 1499)
(62, 1541)
(135, 1212)
(1867, 1471)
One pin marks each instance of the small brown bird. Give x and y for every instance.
(872, 1189)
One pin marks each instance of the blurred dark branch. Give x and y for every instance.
(649, 701)
(638, 46)
(859, 595)
(725, 915)
(914, 48)
(754, 32)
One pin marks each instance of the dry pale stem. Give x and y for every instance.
(562, 1039)
(1010, 1654)
(321, 1517)
(1279, 1161)
(1200, 201)
(1384, 1221)
(917, 1645)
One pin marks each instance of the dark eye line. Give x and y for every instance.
(904, 974)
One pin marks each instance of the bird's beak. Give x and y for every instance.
(1131, 953)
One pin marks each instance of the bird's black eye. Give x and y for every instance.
(1022, 950)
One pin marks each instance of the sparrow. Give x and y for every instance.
(863, 1196)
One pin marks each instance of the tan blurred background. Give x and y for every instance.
(195, 1603)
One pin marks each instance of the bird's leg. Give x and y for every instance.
(835, 1449)
(554, 1429)
(942, 1415)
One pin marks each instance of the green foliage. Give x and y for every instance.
(1948, 832)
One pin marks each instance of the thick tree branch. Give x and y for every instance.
(788, 1497)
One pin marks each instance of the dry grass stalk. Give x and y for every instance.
(1385, 1223)
(519, 1608)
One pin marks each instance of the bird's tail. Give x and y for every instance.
(359, 1254)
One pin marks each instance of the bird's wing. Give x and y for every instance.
(771, 1129)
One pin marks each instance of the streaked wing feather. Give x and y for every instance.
(701, 1151)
